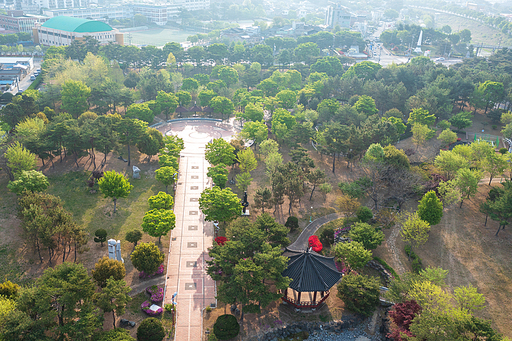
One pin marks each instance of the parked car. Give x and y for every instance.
(32, 78)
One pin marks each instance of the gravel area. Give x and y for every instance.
(355, 334)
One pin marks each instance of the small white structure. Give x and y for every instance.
(418, 46)
(154, 308)
(136, 172)
(114, 250)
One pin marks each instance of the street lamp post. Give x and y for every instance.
(311, 215)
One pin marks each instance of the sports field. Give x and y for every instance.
(157, 36)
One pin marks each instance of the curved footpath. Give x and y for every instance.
(302, 242)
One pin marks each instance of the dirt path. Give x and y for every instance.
(397, 263)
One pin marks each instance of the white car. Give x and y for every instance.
(440, 59)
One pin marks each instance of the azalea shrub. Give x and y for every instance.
(221, 240)
(160, 271)
(145, 308)
(315, 243)
(156, 293)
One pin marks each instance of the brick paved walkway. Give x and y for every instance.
(186, 274)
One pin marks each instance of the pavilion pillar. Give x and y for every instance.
(286, 293)
(314, 297)
(298, 298)
(322, 294)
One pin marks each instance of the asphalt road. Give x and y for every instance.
(302, 242)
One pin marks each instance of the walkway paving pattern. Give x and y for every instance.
(186, 265)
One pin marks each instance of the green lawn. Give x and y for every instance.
(157, 36)
(94, 211)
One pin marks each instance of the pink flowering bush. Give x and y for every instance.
(160, 271)
(145, 308)
(156, 293)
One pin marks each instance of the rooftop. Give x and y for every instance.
(310, 271)
(70, 24)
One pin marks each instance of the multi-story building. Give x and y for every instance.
(95, 13)
(62, 31)
(338, 15)
(18, 22)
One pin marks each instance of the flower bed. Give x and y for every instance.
(221, 240)
(145, 308)
(156, 293)
(160, 271)
(315, 243)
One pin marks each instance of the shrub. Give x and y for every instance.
(107, 268)
(327, 236)
(226, 327)
(221, 240)
(364, 214)
(208, 309)
(150, 329)
(145, 308)
(416, 265)
(100, 236)
(503, 150)
(387, 267)
(159, 271)
(156, 293)
(9, 289)
(315, 243)
(360, 293)
(170, 308)
(134, 237)
(212, 337)
(292, 223)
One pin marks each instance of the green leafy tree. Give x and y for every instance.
(421, 116)
(353, 253)
(161, 201)
(420, 134)
(467, 182)
(305, 52)
(229, 75)
(190, 84)
(205, 97)
(263, 199)
(140, 111)
(219, 151)
(107, 268)
(114, 185)
(19, 159)
(147, 257)
(130, 131)
(256, 131)
(360, 293)
(9, 290)
(495, 164)
(219, 175)
(366, 105)
(100, 236)
(430, 208)
(492, 93)
(247, 160)
(415, 231)
(243, 181)
(168, 102)
(150, 329)
(134, 237)
(222, 105)
(462, 120)
(447, 137)
(219, 204)
(151, 142)
(167, 175)
(367, 235)
(286, 99)
(158, 223)
(449, 162)
(118, 334)
(113, 297)
(31, 180)
(184, 97)
(74, 97)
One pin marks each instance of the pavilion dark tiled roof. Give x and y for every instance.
(310, 272)
(181, 109)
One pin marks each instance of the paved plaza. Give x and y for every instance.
(186, 265)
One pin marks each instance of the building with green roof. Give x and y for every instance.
(62, 30)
